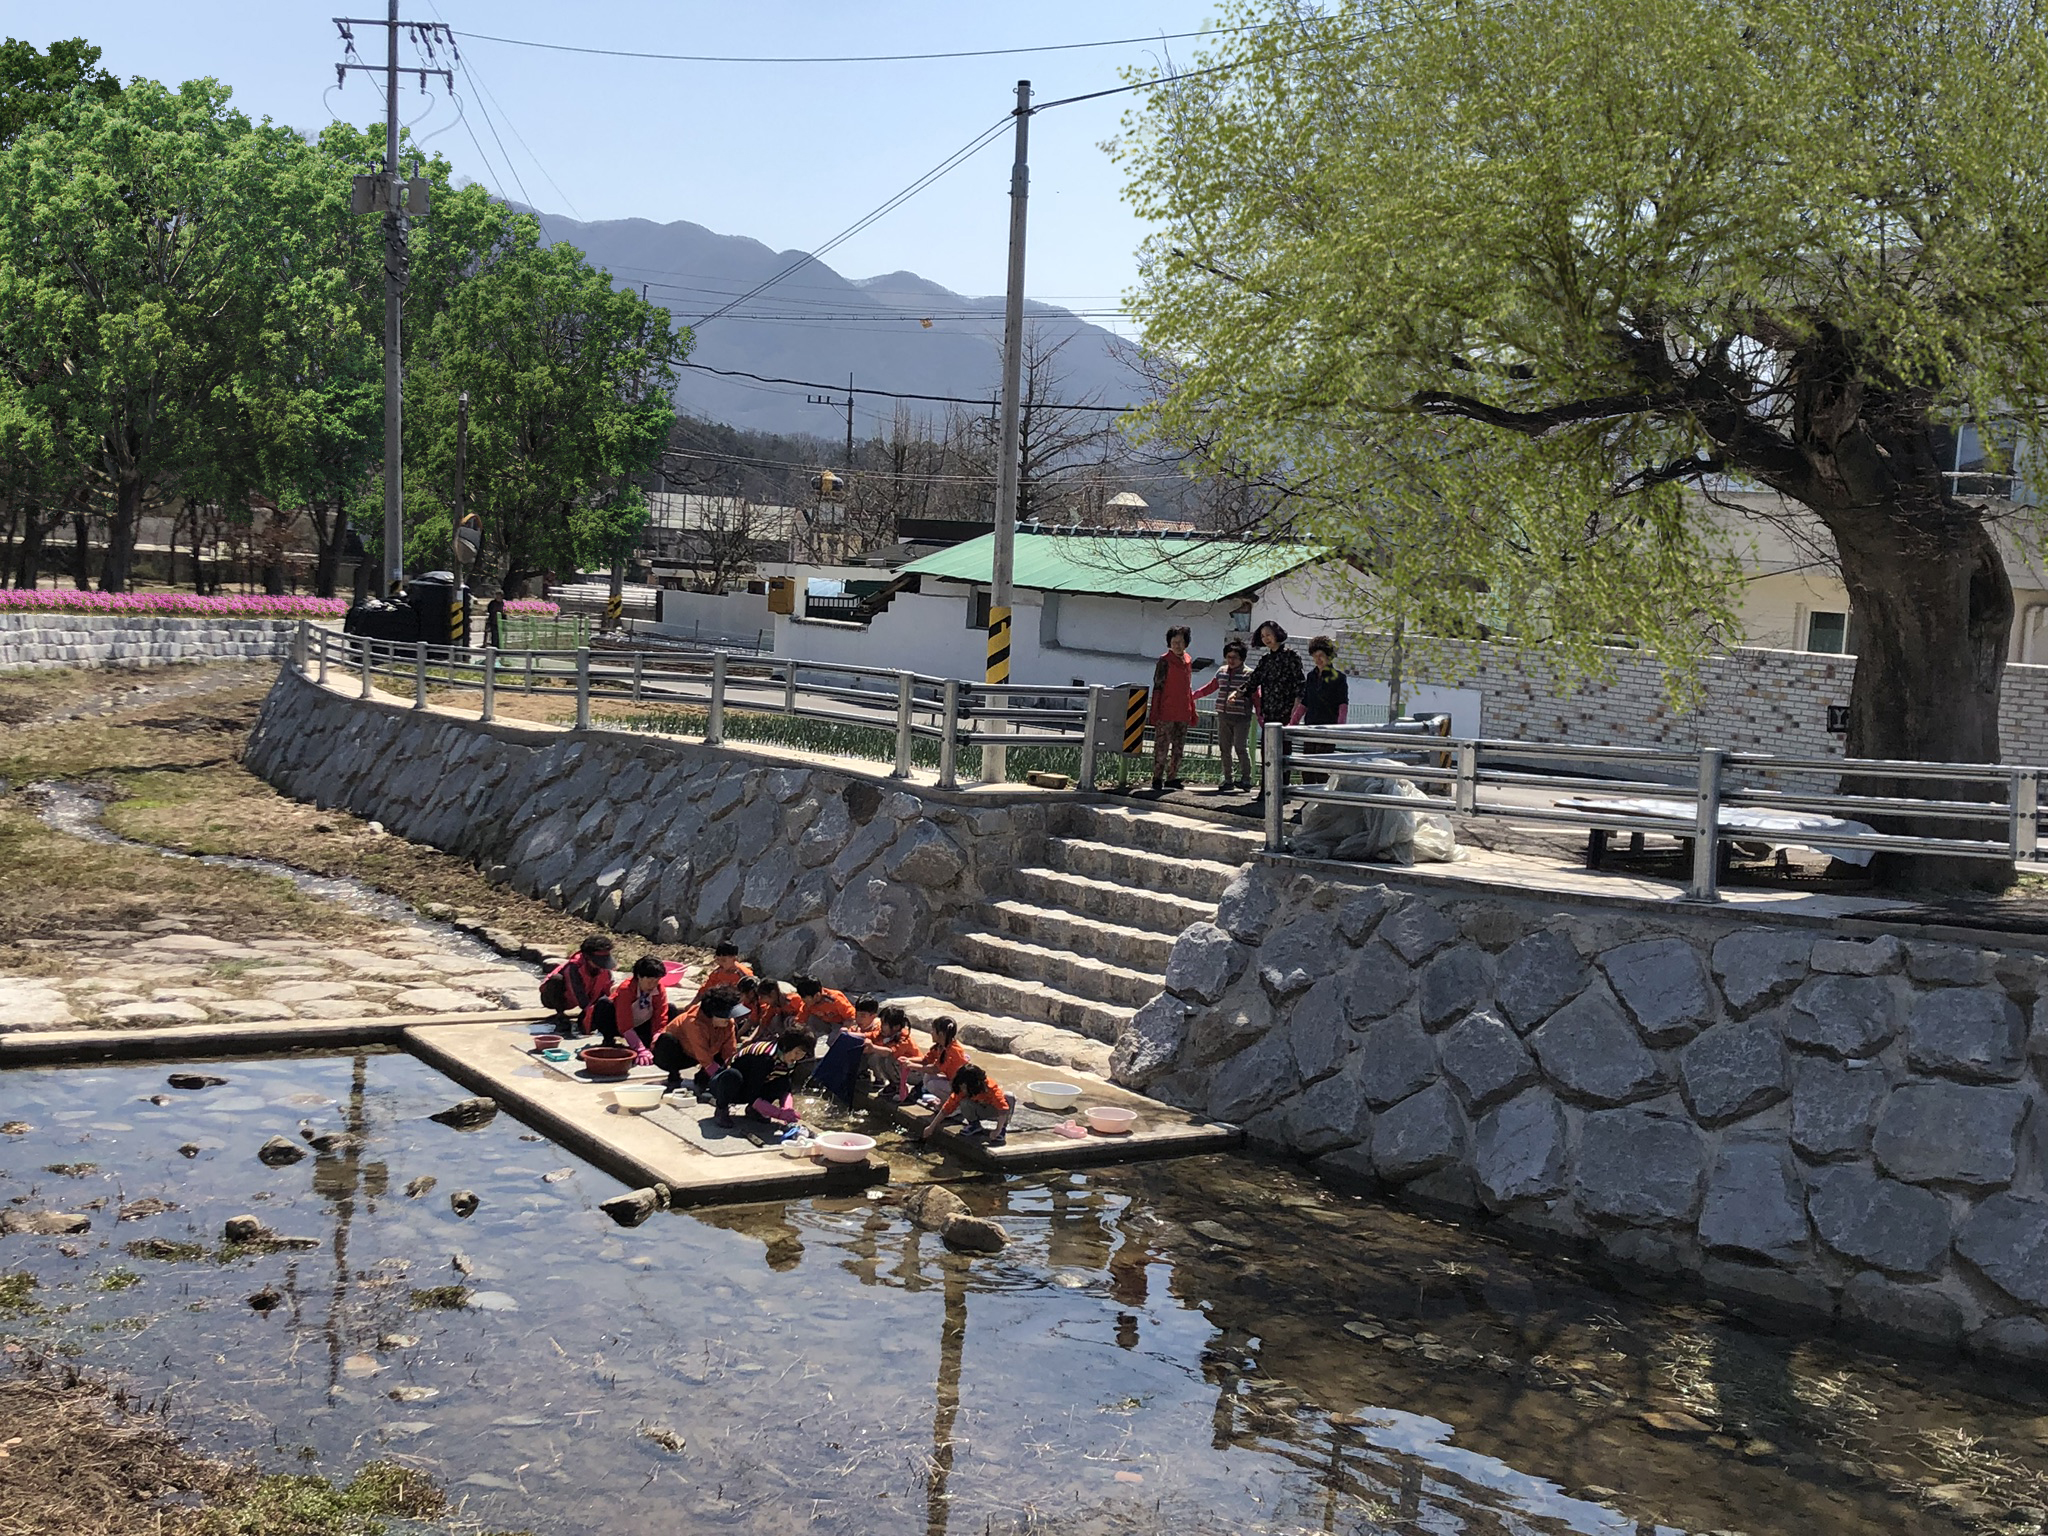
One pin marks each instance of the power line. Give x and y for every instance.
(893, 394)
(857, 58)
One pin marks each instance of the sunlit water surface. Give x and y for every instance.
(1214, 1345)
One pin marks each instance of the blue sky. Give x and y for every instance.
(789, 154)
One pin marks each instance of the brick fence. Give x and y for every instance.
(1775, 701)
(136, 640)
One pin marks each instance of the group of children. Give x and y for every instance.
(1275, 692)
(750, 1042)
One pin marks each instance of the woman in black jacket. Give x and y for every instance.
(1276, 680)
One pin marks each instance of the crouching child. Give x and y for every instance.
(976, 1095)
(762, 1077)
(703, 1035)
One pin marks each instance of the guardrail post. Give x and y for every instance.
(301, 647)
(490, 709)
(789, 689)
(2026, 808)
(368, 686)
(529, 671)
(1090, 723)
(1273, 749)
(583, 688)
(949, 735)
(1706, 829)
(904, 682)
(639, 657)
(321, 639)
(419, 674)
(714, 718)
(1465, 792)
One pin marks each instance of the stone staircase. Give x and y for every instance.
(1055, 968)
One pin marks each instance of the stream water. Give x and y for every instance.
(1212, 1345)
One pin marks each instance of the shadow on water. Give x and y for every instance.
(1216, 1345)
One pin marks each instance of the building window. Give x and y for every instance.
(1828, 633)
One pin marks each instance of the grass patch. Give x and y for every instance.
(444, 1296)
(305, 1505)
(72, 1170)
(119, 1278)
(165, 1249)
(14, 1293)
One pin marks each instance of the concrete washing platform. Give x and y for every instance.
(489, 1054)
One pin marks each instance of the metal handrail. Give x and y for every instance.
(1716, 782)
(912, 705)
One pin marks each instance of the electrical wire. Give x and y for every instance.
(893, 394)
(859, 58)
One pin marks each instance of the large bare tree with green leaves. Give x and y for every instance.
(1492, 282)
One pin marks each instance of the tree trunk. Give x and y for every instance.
(81, 526)
(120, 562)
(1933, 611)
(328, 537)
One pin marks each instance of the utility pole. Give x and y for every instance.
(993, 765)
(394, 198)
(468, 533)
(847, 405)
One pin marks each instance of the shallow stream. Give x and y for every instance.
(1213, 1345)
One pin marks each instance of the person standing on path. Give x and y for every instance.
(1325, 696)
(1232, 686)
(1173, 708)
(1277, 678)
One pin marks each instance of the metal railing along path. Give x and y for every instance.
(908, 705)
(1478, 778)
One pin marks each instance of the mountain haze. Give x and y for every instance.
(818, 325)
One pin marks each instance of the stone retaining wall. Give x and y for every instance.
(1848, 1126)
(136, 640)
(845, 875)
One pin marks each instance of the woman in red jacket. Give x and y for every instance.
(636, 1009)
(1172, 708)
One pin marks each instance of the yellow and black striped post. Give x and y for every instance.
(998, 646)
(1134, 719)
(614, 610)
(458, 617)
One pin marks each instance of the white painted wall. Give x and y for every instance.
(714, 616)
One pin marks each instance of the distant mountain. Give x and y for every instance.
(818, 325)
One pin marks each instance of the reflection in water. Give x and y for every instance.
(823, 1366)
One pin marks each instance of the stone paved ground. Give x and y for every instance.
(165, 972)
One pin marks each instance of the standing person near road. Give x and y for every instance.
(1325, 695)
(1232, 686)
(1172, 709)
(1276, 680)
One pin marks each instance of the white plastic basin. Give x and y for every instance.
(1057, 1097)
(1110, 1120)
(637, 1098)
(844, 1146)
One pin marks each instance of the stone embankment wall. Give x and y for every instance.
(845, 875)
(136, 640)
(1842, 1125)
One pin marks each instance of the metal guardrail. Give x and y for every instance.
(908, 704)
(1463, 769)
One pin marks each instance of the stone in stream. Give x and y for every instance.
(195, 1080)
(1216, 1232)
(463, 1202)
(159, 1100)
(420, 1186)
(266, 1300)
(192, 1149)
(277, 1152)
(932, 1206)
(974, 1234)
(244, 1229)
(42, 1223)
(334, 1143)
(467, 1114)
(635, 1206)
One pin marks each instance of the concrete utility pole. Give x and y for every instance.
(395, 198)
(993, 764)
(847, 404)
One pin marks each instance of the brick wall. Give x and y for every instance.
(1753, 700)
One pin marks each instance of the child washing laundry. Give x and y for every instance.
(975, 1092)
(762, 1077)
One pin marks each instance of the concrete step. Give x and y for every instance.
(1181, 837)
(1111, 900)
(1030, 1002)
(1079, 974)
(1203, 879)
(1137, 949)
(1060, 1048)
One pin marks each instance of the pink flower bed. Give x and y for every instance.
(171, 605)
(539, 606)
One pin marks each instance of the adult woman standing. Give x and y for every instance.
(1277, 678)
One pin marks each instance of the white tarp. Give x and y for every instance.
(1799, 829)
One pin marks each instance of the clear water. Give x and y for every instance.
(822, 1366)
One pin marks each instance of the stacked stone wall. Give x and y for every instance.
(136, 640)
(1751, 700)
(1846, 1125)
(848, 876)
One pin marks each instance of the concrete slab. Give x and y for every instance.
(493, 1057)
(228, 1037)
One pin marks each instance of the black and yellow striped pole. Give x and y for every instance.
(1134, 719)
(1003, 546)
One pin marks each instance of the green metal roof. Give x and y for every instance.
(1160, 567)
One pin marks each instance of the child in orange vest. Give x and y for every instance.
(976, 1092)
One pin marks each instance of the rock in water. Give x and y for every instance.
(557, 1176)
(42, 1223)
(462, 1263)
(196, 1080)
(420, 1186)
(136, 1210)
(159, 1100)
(277, 1152)
(932, 1206)
(267, 1299)
(635, 1206)
(463, 1202)
(244, 1229)
(1216, 1232)
(335, 1143)
(974, 1234)
(193, 1149)
(467, 1114)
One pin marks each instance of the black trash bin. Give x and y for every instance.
(443, 608)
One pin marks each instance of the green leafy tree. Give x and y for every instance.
(569, 381)
(34, 85)
(1492, 282)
